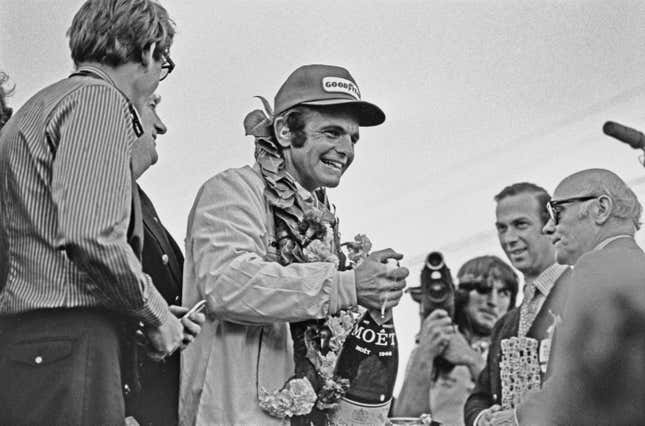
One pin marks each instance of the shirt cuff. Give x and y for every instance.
(155, 310)
(345, 291)
(516, 422)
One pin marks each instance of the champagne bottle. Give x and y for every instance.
(370, 360)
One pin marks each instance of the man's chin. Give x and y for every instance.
(563, 258)
(331, 183)
(483, 327)
(521, 265)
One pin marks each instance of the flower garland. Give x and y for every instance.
(306, 231)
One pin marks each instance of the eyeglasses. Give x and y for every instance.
(554, 210)
(166, 67)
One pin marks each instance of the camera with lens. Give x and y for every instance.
(437, 291)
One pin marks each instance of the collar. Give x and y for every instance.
(307, 196)
(545, 281)
(604, 243)
(98, 72)
(304, 193)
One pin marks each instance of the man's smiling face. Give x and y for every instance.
(519, 229)
(328, 150)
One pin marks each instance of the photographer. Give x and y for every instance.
(443, 368)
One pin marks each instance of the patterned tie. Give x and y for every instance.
(530, 307)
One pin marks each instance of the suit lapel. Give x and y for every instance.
(553, 305)
(135, 227)
(155, 230)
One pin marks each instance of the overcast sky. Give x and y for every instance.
(478, 95)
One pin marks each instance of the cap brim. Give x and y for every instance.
(368, 114)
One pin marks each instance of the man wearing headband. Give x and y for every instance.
(246, 255)
(521, 341)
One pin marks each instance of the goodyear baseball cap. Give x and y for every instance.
(326, 85)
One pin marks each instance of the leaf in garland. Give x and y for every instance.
(272, 167)
(257, 124)
(267, 107)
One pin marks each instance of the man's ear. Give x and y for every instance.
(604, 209)
(282, 132)
(147, 55)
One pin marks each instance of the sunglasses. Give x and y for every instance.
(480, 287)
(553, 207)
(166, 67)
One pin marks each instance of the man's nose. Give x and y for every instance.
(345, 146)
(549, 227)
(160, 127)
(493, 298)
(510, 236)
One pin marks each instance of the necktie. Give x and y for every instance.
(530, 306)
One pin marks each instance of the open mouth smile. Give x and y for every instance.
(334, 164)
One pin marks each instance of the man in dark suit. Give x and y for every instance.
(599, 355)
(520, 346)
(157, 401)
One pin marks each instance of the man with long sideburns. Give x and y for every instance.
(599, 353)
(240, 241)
(518, 359)
(66, 185)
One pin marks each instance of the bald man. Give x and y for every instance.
(599, 361)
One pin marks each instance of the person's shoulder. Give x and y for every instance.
(504, 323)
(245, 175)
(606, 273)
(85, 87)
(66, 93)
(91, 97)
(612, 258)
(239, 182)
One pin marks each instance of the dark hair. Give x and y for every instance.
(115, 32)
(541, 196)
(5, 111)
(485, 268)
(296, 119)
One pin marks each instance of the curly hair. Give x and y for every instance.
(115, 32)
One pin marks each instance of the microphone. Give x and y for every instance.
(631, 137)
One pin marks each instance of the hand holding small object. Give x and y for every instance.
(391, 264)
(376, 286)
(191, 321)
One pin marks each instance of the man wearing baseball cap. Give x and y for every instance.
(249, 251)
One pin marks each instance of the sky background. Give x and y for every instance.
(478, 95)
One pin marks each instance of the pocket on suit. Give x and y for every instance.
(40, 353)
(39, 378)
